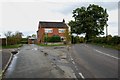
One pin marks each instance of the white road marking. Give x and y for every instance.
(0, 50)
(106, 54)
(81, 75)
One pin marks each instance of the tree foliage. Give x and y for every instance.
(115, 40)
(90, 21)
(12, 39)
(67, 36)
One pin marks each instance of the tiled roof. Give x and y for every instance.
(52, 24)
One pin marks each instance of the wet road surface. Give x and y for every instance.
(94, 61)
(31, 62)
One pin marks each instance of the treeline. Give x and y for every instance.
(12, 38)
(77, 39)
(115, 40)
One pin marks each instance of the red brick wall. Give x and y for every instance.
(41, 32)
(40, 35)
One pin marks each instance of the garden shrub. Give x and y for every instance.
(52, 39)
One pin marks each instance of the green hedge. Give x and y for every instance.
(52, 39)
(24, 41)
(107, 40)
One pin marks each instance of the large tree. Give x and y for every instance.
(90, 21)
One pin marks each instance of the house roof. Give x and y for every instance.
(32, 37)
(52, 24)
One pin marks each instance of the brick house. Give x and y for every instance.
(51, 29)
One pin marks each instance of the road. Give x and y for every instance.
(94, 61)
(31, 62)
(84, 60)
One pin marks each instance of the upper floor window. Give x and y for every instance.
(61, 30)
(48, 30)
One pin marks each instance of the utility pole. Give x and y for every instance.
(46, 36)
(106, 30)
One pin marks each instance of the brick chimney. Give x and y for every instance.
(63, 20)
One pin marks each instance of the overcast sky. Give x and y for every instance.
(24, 15)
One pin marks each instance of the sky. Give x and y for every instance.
(24, 15)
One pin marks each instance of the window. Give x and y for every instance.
(48, 30)
(61, 30)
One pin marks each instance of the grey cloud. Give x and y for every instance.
(73, 5)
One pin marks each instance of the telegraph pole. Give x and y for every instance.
(106, 30)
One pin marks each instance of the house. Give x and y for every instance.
(32, 40)
(51, 29)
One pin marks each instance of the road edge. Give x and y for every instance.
(7, 65)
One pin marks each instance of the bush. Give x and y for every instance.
(52, 39)
(77, 39)
(24, 41)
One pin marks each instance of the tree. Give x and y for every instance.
(18, 36)
(7, 35)
(12, 39)
(90, 20)
(67, 36)
(34, 35)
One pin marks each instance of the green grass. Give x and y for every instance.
(48, 45)
(12, 46)
(117, 47)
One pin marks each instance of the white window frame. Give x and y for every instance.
(48, 30)
(61, 30)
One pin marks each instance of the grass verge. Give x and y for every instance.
(117, 47)
(12, 46)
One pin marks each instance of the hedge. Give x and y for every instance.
(52, 39)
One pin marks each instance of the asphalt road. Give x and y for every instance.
(31, 62)
(94, 61)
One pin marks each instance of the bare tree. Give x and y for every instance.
(7, 34)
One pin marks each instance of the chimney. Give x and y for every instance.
(63, 20)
